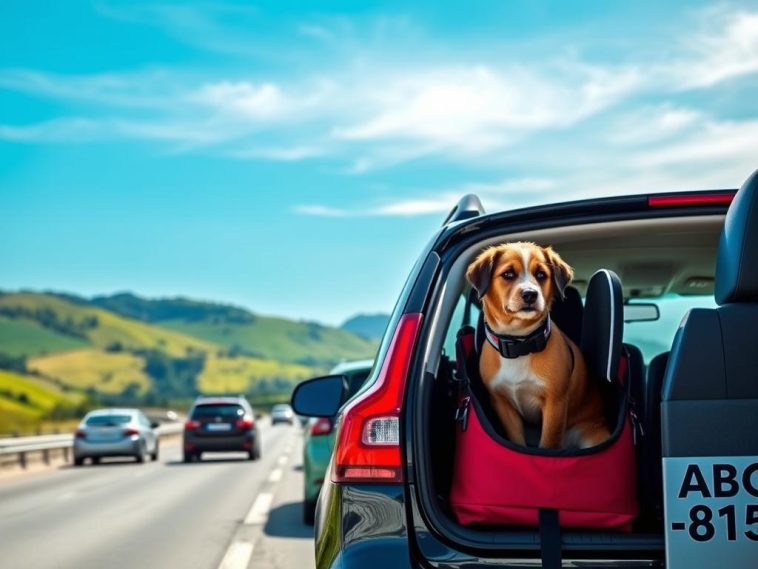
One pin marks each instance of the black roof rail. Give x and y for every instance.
(467, 207)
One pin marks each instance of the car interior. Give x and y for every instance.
(656, 260)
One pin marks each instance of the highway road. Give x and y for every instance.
(225, 512)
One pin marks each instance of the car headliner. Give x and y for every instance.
(651, 256)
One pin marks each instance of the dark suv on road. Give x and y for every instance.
(385, 501)
(221, 424)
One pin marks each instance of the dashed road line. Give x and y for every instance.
(237, 556)
(276, 475)
(239, 553)
(259, 511)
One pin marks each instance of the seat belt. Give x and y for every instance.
(550, 538)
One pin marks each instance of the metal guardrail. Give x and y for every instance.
(45, 443)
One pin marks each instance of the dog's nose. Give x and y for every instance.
(529, 296)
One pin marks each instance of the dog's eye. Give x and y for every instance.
(540, 275)
(509, 275)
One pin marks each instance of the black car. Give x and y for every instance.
(385, 501)
(221, 424)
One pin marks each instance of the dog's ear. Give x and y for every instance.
(562, 272)
(479, 273)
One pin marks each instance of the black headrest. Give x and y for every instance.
(737, 261)
(568, 312)
(602, 329)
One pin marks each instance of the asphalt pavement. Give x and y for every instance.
(224, 512)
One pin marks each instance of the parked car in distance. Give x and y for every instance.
(282, 413)
(115, 432)
(319, 437)
(221, 424)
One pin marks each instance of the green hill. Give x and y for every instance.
(304, 343)
(124, 349)
(26, 401)
(248, 375)
(25, 337)
(242, 332)
(91, 325)
(105, 372)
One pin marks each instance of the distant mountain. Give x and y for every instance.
(370, 326)
(178, 308)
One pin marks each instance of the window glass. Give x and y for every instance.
(457, 322)
(226, 410)
(355, 381)
(108, 420)
(655, 337)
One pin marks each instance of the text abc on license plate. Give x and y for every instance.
(711, 512)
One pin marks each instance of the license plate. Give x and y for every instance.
(218, 427)
(711, 507)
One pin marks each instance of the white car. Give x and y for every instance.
(282, 413)
(115, 432)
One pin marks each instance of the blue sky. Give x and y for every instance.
(295, 159)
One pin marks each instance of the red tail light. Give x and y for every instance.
(368, 440)
(244, 423)
(673, 200)
(190, 425)
(130, 432)
(80, 434)
(322, 426)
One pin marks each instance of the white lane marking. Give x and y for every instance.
(283, 459)
(237, 556)
(259, 510)
(276, 475)
(67, 496)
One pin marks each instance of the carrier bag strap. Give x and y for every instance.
(465, 353)
(550, 538)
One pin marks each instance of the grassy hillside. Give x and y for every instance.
(24, 337)
(242, 332)
(241, 374)
(34, 392)
(96, 326)
(283, 340)
(124, 349)
(15, 417)
(106, 372)
(26, 402)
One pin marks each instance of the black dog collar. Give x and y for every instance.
(514, 346)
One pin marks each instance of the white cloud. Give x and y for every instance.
(282, 154)
(320, 210)
(478, 109)
(498, 195)
(557, 116)
(649, 124)
(57, 130)
(729, 52)
(245, 100)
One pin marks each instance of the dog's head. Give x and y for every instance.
(517, 283)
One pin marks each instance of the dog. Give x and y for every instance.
(532, 370)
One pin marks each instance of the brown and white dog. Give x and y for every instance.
(532, 370)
